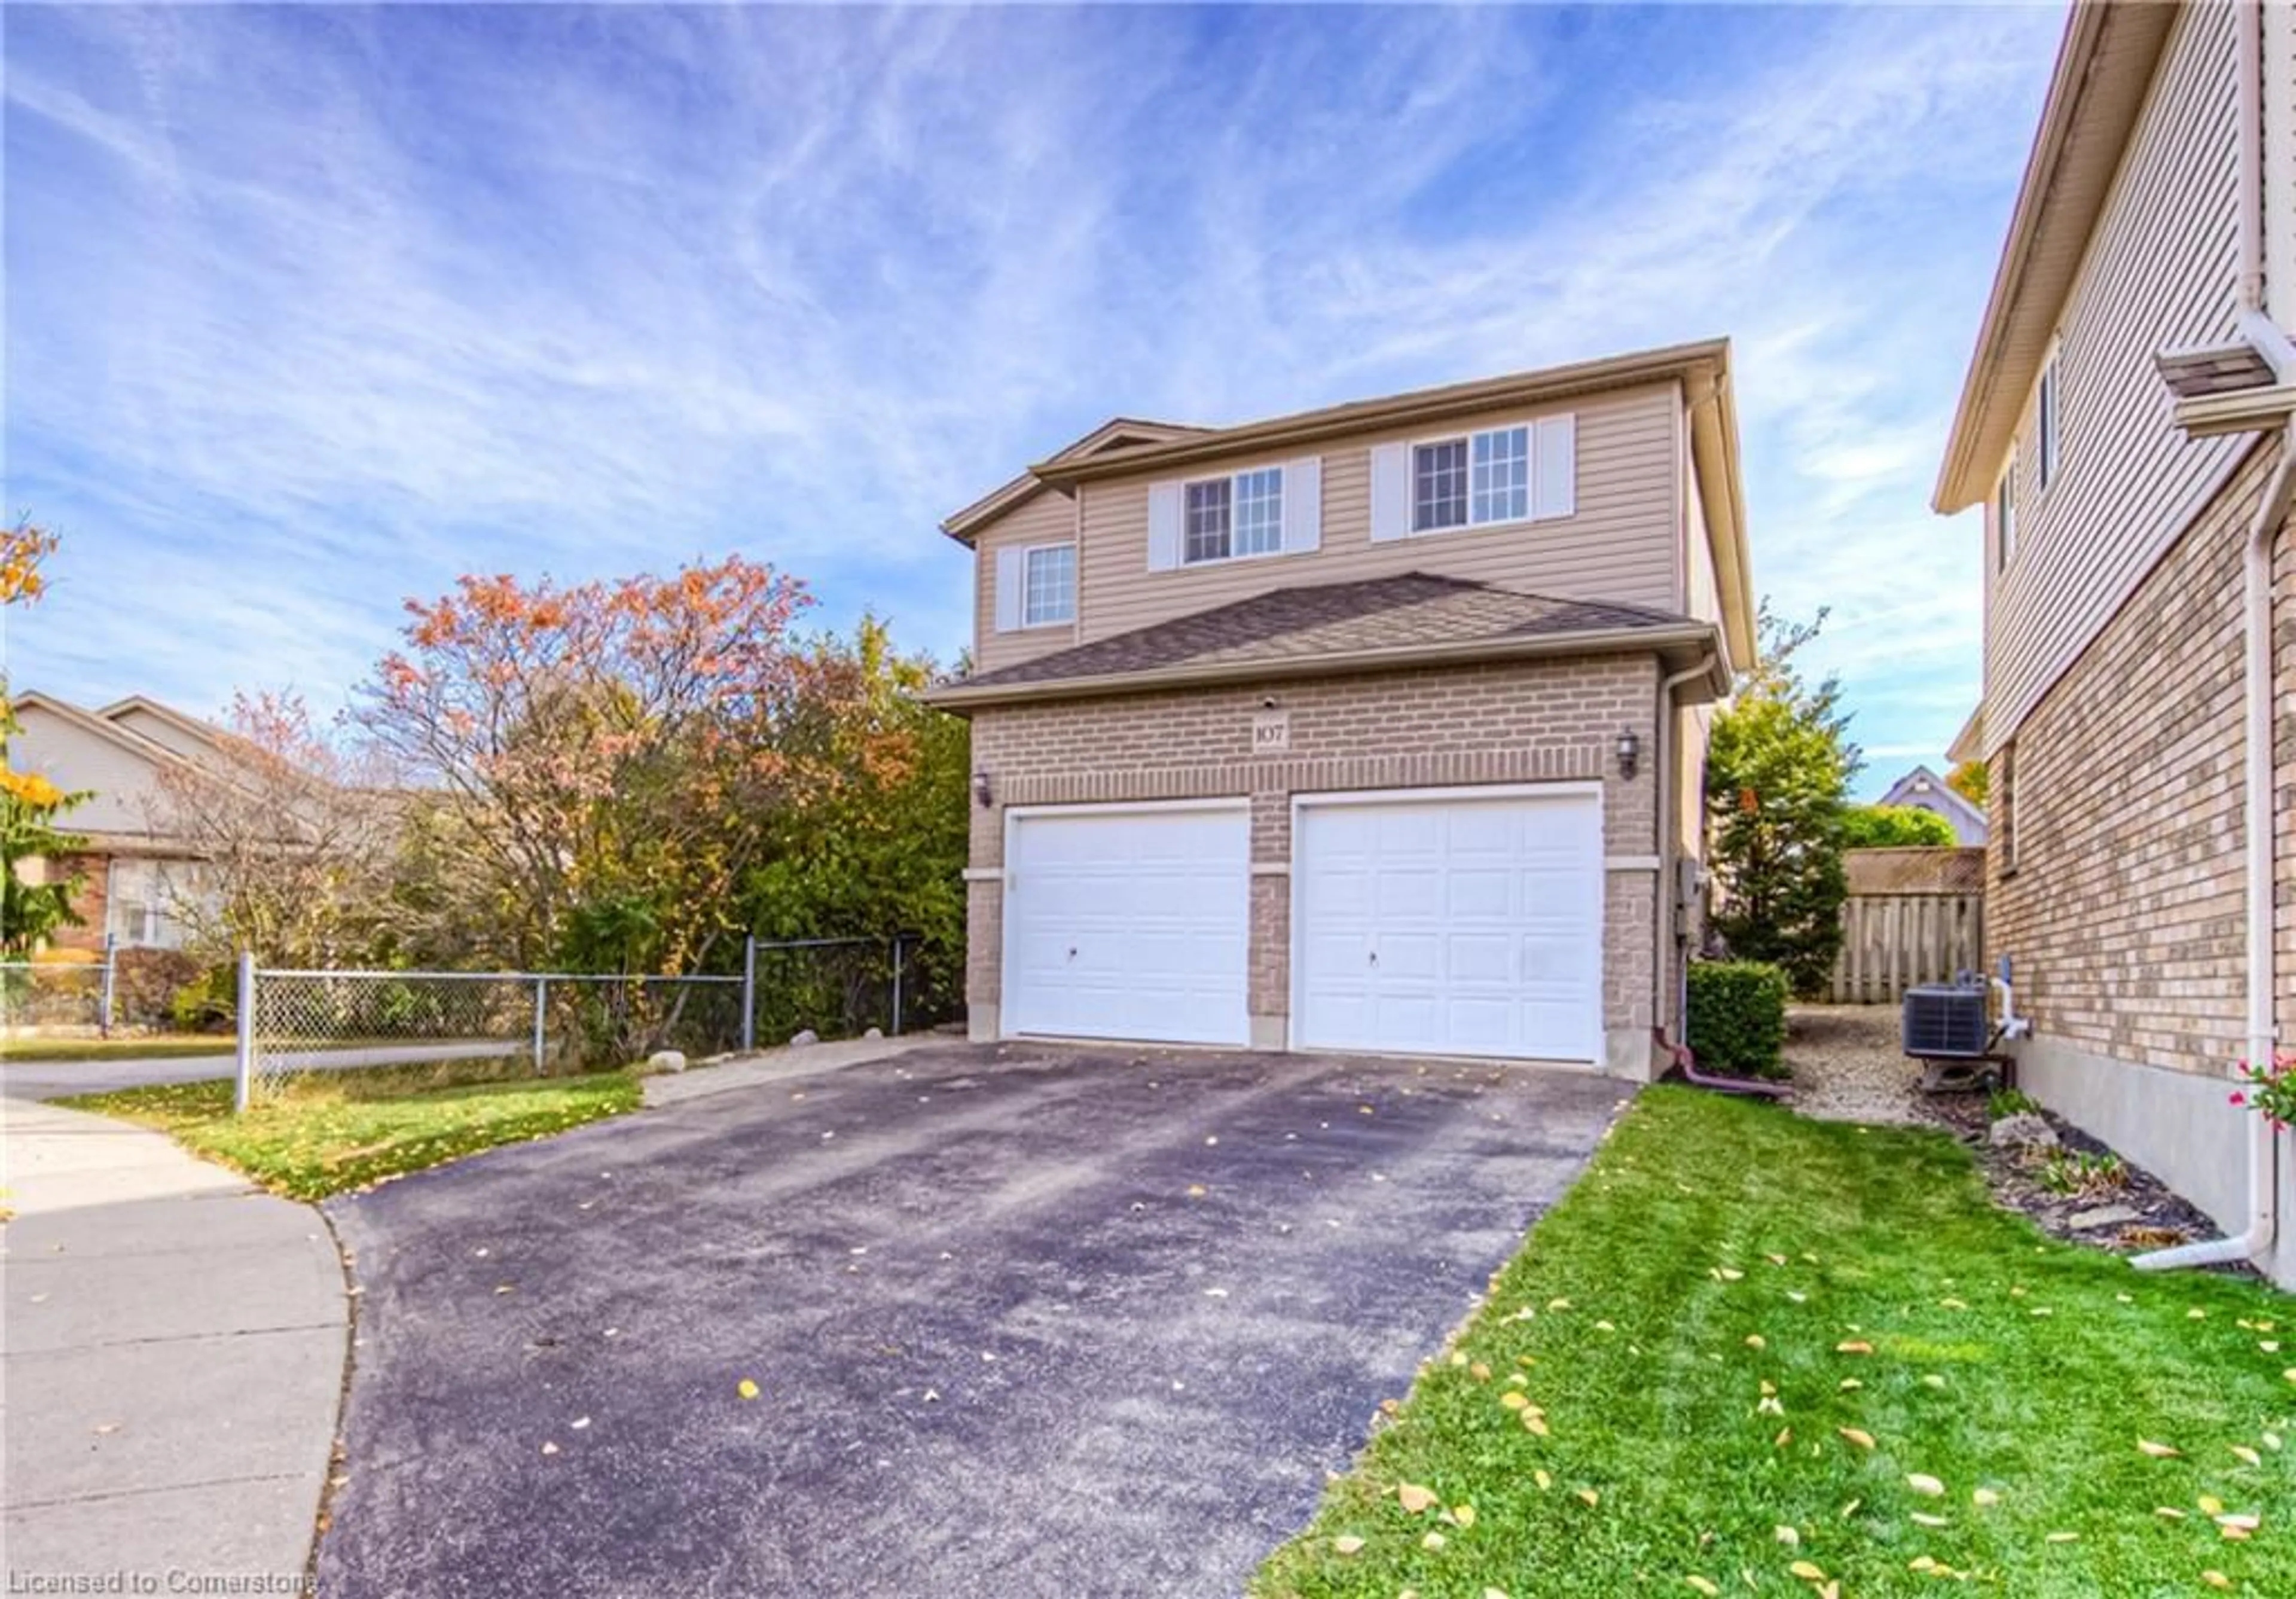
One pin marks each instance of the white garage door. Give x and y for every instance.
(1128, 923)
(1447, 924)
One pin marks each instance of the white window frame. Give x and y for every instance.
(2005, 516)
(1235, 482)
(1029, 554)
(1528, 428)
(2048, 423)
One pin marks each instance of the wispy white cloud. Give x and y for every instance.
(311, 308)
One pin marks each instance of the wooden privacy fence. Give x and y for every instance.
(1913, 916)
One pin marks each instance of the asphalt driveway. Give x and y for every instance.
(1023, 1321)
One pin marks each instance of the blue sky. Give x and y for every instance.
(310, 308)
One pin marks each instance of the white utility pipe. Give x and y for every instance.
(2264, 1152)
(1662, 902)
(2263, 1161)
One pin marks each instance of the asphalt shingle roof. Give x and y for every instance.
(1414, 609)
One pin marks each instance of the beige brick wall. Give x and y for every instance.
(2124, 911)
(1500, 722)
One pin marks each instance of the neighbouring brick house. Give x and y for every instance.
(2125, 423)
(1376, 727)
(132, 875)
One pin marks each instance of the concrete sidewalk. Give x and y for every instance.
(171, 1363)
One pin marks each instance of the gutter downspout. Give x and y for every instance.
(1665, 983)
(2257, 822)
(2263, 1161)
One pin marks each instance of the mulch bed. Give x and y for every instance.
(2138, 1214)
(1846, 1066)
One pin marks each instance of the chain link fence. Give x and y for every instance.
(295, 1021)
(62, 997)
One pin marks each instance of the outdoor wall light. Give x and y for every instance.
(1630, 749)
(981, 792)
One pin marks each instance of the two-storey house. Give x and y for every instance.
(2125, 425)
(1378, 727)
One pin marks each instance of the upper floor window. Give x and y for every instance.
(1232, 516)
(2046, 403)
(2004, 518)
(1048, 585)
(1523, 472)
(1466, 482)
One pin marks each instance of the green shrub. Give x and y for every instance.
(2010, 1101)
(208, 1004)
(1895, 827)
(1737, 1019)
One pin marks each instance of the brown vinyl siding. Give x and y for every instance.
(1047, 519)
(1620, 544)
(2159, 273)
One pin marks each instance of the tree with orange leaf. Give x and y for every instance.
(600, 764)
(29, 804)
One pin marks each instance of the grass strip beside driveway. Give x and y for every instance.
(167, 1046)
(1750, 1353)
(329, 1132)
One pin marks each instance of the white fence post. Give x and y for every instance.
(110, 966)
(246, 1030)
(749, 993)
(541, 1004)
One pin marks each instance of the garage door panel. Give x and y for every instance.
(1485, 915)
(1129, 924)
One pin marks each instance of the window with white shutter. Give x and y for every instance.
(1243, 514)
(1522, 471)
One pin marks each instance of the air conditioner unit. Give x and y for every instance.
(1946, 1022)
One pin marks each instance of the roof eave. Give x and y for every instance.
(962, 698)
(1673, 363)
(1978, 438)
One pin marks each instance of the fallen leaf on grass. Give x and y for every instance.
(1755, 1341)
(2169, 1513)
(1414, 1497)
(1807, 1571)
(2215, 1580)
(1433, 1541)
(1850, 1384)
(1463, 1515)
(1347, 1543)
(1704, 1585)
(2248, 1454)
(1542, 1479)
(1589, 1498)
(1854, 1347)
(1514, 1399)
(2272, 1442)
(1788, 1536)
(2244, 1522)
(1922, 1518)
(746, 1389)
(2063, 1538)
(1856, 1435)
(1535, 1422)
(1922, 1483)
(2210, 1505)
(1984, 1496)
(2158, 1451)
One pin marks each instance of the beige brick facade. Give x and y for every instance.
(1496, 723)
(2124, 908)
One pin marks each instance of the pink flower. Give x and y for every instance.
(2239, 1098)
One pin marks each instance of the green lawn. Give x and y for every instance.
(332, 1131)
(167, 1047)
(1746, 1341)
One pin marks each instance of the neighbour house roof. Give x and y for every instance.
(1122, 447)
(1322, 629)
(2104, 65)
(1924, 789)
(204, 732)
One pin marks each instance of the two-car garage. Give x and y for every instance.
(1454, 922)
